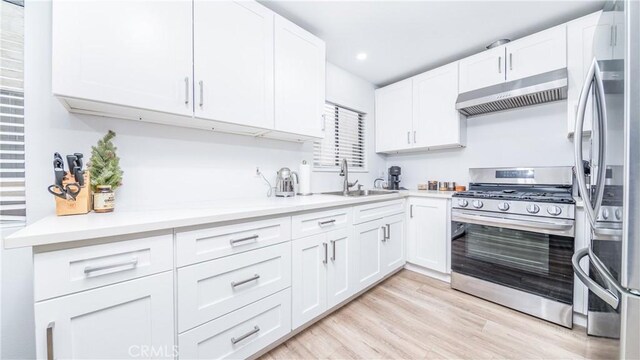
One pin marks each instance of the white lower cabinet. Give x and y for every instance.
(429, 233)
(131, 319)
(241, 333)
(320, 274)
(367, 257)
(393, 247)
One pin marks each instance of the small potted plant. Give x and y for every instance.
(106, 175)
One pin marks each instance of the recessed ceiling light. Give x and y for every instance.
(361, 56)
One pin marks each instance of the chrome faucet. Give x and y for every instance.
(344, 171)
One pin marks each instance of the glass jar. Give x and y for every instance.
(103, 199)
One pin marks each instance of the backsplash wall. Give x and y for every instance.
(532, 136)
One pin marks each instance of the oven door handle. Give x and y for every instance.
(605, 294)
(496, 221)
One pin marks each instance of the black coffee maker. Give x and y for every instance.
(394, 178)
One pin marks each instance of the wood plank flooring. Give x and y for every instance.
(411, 316)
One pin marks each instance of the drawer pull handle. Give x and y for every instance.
(233, 242)
(241, 282)
(242, 337)
(328, 222)
(131, 264)
(50, 340)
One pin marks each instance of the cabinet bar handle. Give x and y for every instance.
(408, 137)
(324, 122)
(388, 232)
(242, 337)
(50, 340)
(241, 282)
(186, 90)
(201, 83)
(414, 136)
(384, 233)
(132, 263)
(510, 61)
(615, 35)
(611, 36)
(233, 242)
(333, 251)
(326, 253)
(328, 222)
(411, 211)
(499, 64)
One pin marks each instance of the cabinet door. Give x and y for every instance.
(393, 247)
(299, 80)
(131, 53)
(233, 62)
(538, 53)
(484, 69)
(436, 122)
(124, 320)
(367, 260)
(339, 285)
(618, 34)
(309, 278)
(588, 37)
(394, 117)
(428, 223)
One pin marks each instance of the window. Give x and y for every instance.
(12, 186)
(344, 138)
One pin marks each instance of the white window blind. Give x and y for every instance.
(12, 186)
(344, 138)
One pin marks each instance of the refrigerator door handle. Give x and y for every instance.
(593, 78)
(602, 137)
(605, 294)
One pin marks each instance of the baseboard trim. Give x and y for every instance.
(428, 272)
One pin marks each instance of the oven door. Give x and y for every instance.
(531, 255)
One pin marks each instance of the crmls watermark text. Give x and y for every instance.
(152, 352)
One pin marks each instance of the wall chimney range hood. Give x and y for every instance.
(536, 89)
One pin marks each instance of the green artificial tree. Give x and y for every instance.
(104, 164)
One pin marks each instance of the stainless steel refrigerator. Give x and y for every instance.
(610, 99)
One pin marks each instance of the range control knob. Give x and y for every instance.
(503, 206)
(554, 210)
(604, 214)
(463, 203)
(618, 214)
(477, 204)
(533, 209)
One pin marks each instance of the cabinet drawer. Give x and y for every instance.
(214, 288)
(195, 246)
(71, 270)
(373, 211)
(319, 222)
(241, 333)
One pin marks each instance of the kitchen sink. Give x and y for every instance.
(357, 193)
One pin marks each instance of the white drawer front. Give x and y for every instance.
(214, 288)
(241, 333)
(319, 222)
(378, 210)
(71, 270)
(207, 244)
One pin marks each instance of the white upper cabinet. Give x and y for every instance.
(538, 53)
(233, 62)
(589, 37)
(299, 80)
(436, 122)
(484, 69)
(129, 53)
(394, 118)
(535, 54)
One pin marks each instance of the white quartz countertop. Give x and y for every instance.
(59, 229)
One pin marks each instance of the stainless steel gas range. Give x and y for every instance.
(513, 239)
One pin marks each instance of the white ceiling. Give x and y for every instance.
(404, 38)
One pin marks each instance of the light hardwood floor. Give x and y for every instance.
(411, 316)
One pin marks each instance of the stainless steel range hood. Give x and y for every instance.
(537, 89)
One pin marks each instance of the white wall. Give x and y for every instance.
(532, 136)
(163, 166)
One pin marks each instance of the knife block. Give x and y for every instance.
(83, 202)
